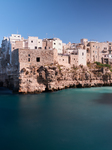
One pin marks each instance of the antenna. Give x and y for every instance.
(46, 35)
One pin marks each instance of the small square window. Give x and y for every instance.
(38, 59)
(35, 47)
(28, 59)
(28, 55)
(31, 41)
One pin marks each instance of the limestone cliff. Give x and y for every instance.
(55, 77)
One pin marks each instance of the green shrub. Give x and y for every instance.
(102, 65)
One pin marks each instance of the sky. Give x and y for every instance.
(69, 20)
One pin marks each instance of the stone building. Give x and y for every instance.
(110, 47)
(53, 43)
(16, 41)
(76, 59)
(34, 43)
(95, 50)
(66, 46)
(26, 57)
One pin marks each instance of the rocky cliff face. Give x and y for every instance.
(55, 77)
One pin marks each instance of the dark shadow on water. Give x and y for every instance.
(105, 99)
(5, 91)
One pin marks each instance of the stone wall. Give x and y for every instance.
(15, 57)
(28, 57)
(63, 60)
(18, 44)
(47, 44)
(74, 60)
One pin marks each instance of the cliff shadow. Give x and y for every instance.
(106, 99)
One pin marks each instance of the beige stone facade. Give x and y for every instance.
(27, 57)
(75, 59)
(53, 43)
(47, 44)
(95, 50)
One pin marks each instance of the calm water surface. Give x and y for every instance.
(72, 119)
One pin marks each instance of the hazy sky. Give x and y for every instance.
(69, 20)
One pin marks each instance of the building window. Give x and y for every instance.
(45, 47)
(109, 43)
(59, 43)
(49, 47)
(93, 45)
(109, 47)
(82, 54)
(38, 59)
(93, 51)
(28, 59)
(35, 47)
(87, 50)
(63, 59)
(96, 46)
(31, 41)
(28, 55)
(54, 43)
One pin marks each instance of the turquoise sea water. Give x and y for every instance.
(71, 119)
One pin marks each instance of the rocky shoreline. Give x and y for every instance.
(56, 77)
(35, 79)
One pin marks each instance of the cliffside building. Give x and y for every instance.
(76, 58)
(53, 43)
(95, 50)
(16, 41)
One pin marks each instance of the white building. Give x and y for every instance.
(34, 43)
(16, 41)
(57, 44)
(82, 57)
